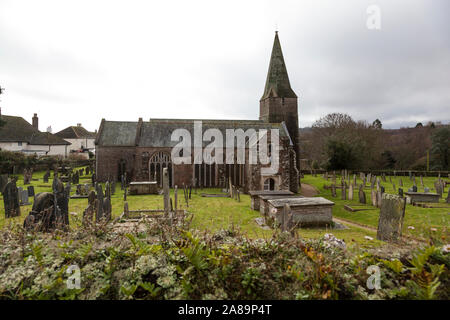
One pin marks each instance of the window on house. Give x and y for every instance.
(19, 143)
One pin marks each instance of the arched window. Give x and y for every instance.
(157, 163)
(269, 184)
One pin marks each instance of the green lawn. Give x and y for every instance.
(220, 213)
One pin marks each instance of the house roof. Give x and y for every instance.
(157, 132)
(75, 132)
(277, 82)
(17, 129)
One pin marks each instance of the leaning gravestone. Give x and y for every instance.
(11, 200)
(333, 190)
(392, 213)
(362, 194)
(46, 176)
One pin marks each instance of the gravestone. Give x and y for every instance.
(46, 176)
(62, 201)
(87, 170)
(107, 207)
(11, 200)
(27, 176)
(333, 190)
(400, 182)
(24, 198)
(99, 211)
(400, 192)
(373, 197)
(414, 189)
(79, 191)
(379, 198)
(448, 196)
(113, 187)
(30, 190)
(362, 195)
(94, 178)
(343, 191)
(88, 213)
(393, 186)
(421, 181)
(286, 222)
(166, 192)
(350, 192)
(3, 182)
(390, 222)
(354, 181)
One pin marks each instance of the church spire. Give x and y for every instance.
(277, 83)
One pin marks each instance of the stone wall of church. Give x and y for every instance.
(107, 162)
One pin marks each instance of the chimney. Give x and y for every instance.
(36, 121)
(78, 124)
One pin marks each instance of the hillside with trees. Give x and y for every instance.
(336, 141)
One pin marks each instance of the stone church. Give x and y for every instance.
(143, 148)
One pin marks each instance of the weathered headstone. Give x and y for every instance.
(350, 192)
(373, 197)
(11, 200)
(379, 198)
(362, 195)
(390, 222)
(333, 190)
(3, 182)
(400, 192)
(166, 192)
(343, 191)
(30, 190)
(100, 198)
(448, 196)
(414, 189)
(400, 182)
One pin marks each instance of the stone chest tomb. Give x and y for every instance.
(264, 206)
(143, 187)
(412, 197)
(306, 212)
(254, 195)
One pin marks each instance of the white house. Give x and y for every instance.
(82, 141)
(16, 134)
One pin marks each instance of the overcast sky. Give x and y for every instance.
(80, 61)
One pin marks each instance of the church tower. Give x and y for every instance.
(279, 101)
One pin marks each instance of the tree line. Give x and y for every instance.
(336, 142)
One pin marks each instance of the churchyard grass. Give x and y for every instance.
(423, 220)
(209, 214)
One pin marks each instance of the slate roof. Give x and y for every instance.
(157, 132)
(277, 82)
(17, 129)
(75, 132)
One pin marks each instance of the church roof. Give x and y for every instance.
(157, 132)
(277, 82)
(17, 129)
(75, 132)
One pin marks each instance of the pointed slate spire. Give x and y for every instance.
(277, 83)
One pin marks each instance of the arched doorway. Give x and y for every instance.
(269, 184)
(157, 163)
